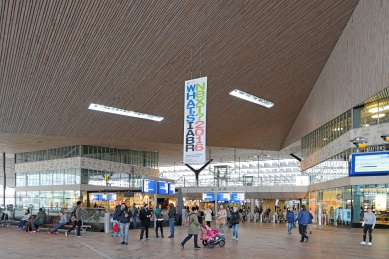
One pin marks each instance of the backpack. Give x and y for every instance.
(186, 223)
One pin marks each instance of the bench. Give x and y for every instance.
(51, 221)
(5, 223)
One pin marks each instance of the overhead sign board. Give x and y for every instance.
(372, 163)
(209, 196)
(195, 110)
(237, 196)
(148, 186)
(223, 196)
(163, 188)
(172, 189)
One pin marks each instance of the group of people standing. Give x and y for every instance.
(123, 214)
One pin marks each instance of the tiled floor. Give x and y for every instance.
(256, 240)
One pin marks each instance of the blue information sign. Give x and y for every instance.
(237, 196)
(209, 196)
(148, 186)
(163, 188)
(172, 189)
(223, 196)
(372, 163)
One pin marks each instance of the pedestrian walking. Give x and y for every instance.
(144, 217)
(124, 217)
(290, 219)
(234, 220)
(192, 229)
(303, 220)
(115, 220)
(369, 220)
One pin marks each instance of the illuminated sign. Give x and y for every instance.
(223, 196)
(209, 196)
(374, 163)
(237, 196)
(172, 189)
(163, 188)
(148, 186)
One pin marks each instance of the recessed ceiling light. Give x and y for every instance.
(379, 115)
(102, 108)
(251, 98)
(375, 109)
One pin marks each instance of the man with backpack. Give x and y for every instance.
(134, 211)
(76, 218)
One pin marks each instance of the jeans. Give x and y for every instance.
(290, 226)
(35, 224)
(143, 230)
(189, 237)
(159, 225)
(124, 227)
(134, 220)
(367, 227)
(78, 224)
(57, 226)
(115, 234)
(302, 230)
(171, 225)
(235, 229)
(21, 223)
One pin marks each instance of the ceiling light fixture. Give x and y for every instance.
(102, 108)
(379, 115)
(251, 98)
(375, 109)
(337, 129)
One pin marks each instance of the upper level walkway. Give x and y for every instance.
(256, 240)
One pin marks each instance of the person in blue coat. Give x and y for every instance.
(303, 219)
(290, 219)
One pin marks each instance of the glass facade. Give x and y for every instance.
(48, 199)
(374, 111)
(126, 156)
(345, 206)
(50, 177)
(95, 177)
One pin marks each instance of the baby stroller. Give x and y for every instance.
(211, 237)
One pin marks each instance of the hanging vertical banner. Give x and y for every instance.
(195, 120)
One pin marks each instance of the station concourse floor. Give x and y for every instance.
(256, 240)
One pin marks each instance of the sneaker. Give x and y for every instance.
(66, 233)
(141, 240)
(55, 233)
(49, 233)
(182, 246)
(147, 239)
(78, 236)
(19, 229)
(170, 237)
(289, 232)
(122, 243)
(37, 230)
(236, 239)
(306, 241)
(126, 243)
(157, 236)
(369, 244)
(162, 236)
(233, 238)
(363, 243)
(197, 248)
(32, 231)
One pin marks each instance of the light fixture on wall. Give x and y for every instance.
(102, 108)
(379, 115)
(251, 98)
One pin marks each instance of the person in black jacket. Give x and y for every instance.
(116, 220)
(234, 220)
(172, 217)
(144, 217)
(124, 217)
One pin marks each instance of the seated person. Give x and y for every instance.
(26, 217)
(61, 223)
(38, 221)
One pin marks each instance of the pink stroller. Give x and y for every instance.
(211, 237)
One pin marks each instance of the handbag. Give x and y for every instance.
(220, 221)
(116, 228)
(229, 225)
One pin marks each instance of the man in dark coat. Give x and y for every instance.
(144, 217)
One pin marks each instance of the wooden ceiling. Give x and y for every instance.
(57, 57)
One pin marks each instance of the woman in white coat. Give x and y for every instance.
(208, 216)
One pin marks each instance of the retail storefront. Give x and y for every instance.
(345, 206)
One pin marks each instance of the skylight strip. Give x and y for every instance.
(251, 98)
(102, 108)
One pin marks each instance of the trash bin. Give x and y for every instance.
(107, 222)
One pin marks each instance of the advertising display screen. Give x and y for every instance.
(148, 186)
(209, 196)
(223, 196)
(172, 189)
(237, 196)
(112, 196)
(374, 163)
(163, 188)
